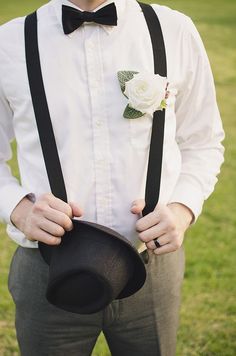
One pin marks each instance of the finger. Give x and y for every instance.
(51, 228)
(148, 221)
(59, 218)
(165, 249)
(162, 240)
(153, 232)
(60, 205)
(43, 236)
(137, 206)
(76, 209)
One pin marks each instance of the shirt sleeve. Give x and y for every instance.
(11, 192)
(199, 130)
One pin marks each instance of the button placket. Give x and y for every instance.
(99, 127)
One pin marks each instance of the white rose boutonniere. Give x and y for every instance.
(146, 93)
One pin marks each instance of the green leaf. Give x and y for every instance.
(131, 113)
(124, 76)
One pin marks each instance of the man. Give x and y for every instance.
(104, 160)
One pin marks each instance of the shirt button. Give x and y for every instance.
(104, 200)
(94, 84)
(98, 123)
(102, 161)
(90, 45)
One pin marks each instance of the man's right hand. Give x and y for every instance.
(46, 220)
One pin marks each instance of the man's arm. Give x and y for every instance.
(48, 217)
(199, 131)
(11, 192)
(199, 135)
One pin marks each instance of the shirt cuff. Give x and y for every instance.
(17, 236)
(190, 195)
(12, 200)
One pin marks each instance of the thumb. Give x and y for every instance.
(76, 209)
(137, 206)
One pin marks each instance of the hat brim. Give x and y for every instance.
(139, 274)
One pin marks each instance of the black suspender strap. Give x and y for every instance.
(156, 146)
(44, 124)
(42, 115)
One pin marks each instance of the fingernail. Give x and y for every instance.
(71, 228)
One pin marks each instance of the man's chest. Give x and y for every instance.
(85, 63)
(81, 83)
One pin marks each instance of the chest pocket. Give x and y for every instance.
(140, 132)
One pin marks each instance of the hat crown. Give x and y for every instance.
(91, 267)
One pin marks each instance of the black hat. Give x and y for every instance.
(91, 267)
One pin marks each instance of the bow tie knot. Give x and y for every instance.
(73, 18)
(87, 16)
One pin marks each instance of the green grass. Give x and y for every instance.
(208, 313)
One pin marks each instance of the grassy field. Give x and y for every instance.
(208, 314)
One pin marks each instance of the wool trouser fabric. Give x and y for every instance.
(144, 324)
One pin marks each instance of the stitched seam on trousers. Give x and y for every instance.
(154, 311)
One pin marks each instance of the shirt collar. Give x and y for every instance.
(120, 6)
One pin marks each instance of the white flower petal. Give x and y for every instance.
(145, 92)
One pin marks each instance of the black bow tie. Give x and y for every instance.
(73, 18)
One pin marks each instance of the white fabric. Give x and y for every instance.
(103, 155)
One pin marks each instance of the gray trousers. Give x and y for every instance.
(144, 324)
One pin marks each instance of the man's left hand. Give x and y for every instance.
(167, 224)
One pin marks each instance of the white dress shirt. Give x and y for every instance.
(103, 155)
